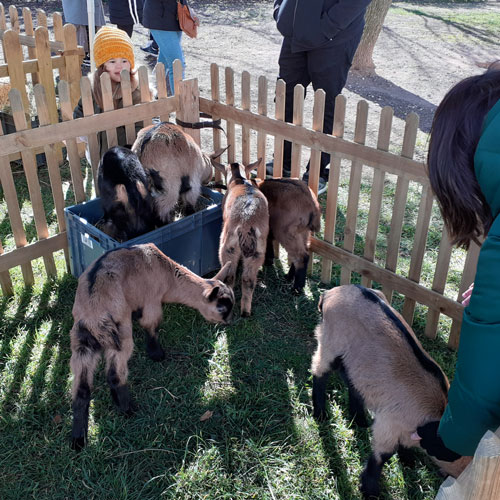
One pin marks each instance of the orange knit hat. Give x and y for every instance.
(112, 43)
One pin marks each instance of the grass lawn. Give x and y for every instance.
(260, 440)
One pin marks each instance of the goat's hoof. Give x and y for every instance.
(320, 416)
(157, 354)
(361, 421)
(78, 444)
(369, 488)
(269, 262)
(245, 314)
(297, 291)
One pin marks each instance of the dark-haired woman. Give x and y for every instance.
(464, 171)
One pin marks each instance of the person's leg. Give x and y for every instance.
(293, 70)
(169, 44)
(128, 28)
(328, 69)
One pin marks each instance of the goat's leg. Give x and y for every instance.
(151, 317)
(117, 371)
(319, 396)
(83, 364)
(251, 266)
(356, 403)
(295, 243)
(230, 252)
(269, 259)
(384, 445)
(190, 198)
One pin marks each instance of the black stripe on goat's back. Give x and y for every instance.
(427, 363)
(148, 135)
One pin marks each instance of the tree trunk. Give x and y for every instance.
(374, 20)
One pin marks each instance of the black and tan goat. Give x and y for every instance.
(125, 284)
(386, 369)
(245, 229)
(177, 167)
(125, 198)
(293, 214)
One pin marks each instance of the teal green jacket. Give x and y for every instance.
(474, 397)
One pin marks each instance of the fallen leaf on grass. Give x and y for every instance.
(208, 414)
(57, 419)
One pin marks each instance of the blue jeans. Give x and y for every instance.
(169, 44)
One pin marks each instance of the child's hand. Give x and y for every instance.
(466, 295)
(432, 443)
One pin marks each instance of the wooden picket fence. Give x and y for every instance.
(187, 104)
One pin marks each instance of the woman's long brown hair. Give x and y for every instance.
(455, 133)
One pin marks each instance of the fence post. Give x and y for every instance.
(72, 63)
(14, 18)
(5, 280)
(28, 29)
(59, 37)
(189, 106)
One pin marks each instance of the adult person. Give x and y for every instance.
(320, 38)
(125, 13)
(160, 16)
(75, 12)
(464, 171)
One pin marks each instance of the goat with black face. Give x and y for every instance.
(125, 196)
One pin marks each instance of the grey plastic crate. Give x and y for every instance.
(192, 241)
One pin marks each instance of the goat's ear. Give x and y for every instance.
(320, 304)
(252, 166)
(220, 167)
(215, 154)
(224, 272)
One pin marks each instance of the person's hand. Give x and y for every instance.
(196, 20)
(466, 295)
(432, 443)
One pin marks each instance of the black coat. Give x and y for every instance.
(313, 24)
(161, 15)
(119, 11)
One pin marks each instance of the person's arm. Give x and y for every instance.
(341, 15)
(277, 5)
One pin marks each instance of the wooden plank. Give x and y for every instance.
(3, 21)
(71, 147)
(14, 18)
(333, 187)
(391, 163)
(354, 189)
(31, 174)
(28, 29)
(403, 285)
(59, 36)
(189, 106)
(14, 57)
(29, 41)
(46, 74)
(439, 282)
(146, 94)
(261, 134)
(468, 275)
(72, 63)
(384, 137)
(41, 18)
(29, 139)
(400, 196)
(279, 114)
(298, 120)
(418, 251)
(31, 66)
(215, 91)
(24, 255)
(317, 125)
(178, 70)
(5, 281)
(107, 105)
(127, 101)
(161, 87)
(245, 105)
(230, 129)
(52, 155)
(93, 141)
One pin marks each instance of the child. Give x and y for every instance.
(464, 171)
(113, 52)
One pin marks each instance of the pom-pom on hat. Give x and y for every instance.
(112, 43)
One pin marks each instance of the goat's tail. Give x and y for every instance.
(248, 242)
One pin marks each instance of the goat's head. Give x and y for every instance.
(236, 171)
(218, 298)
(209, 163)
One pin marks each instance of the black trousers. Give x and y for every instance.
(326, 69)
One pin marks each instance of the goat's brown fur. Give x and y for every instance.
(176, 165)
(386, 369)
(245, 230)
(123, 283)
(294, 213)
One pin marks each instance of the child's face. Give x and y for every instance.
(114, 67)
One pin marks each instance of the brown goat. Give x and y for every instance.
(293, 214)
(125, 284)
(386, 371)
(176, 165)
(245, 229)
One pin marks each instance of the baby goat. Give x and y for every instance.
(293, 214)
(176, 165)
(124, 190)
(386, 370)
(245, 229)
(125, 284)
